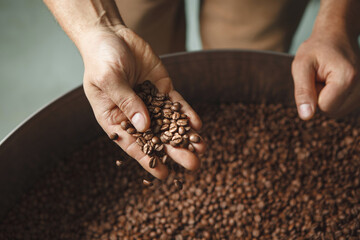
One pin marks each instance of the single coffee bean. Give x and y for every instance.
(148, 135)
(131, 130)
(166, 121)
(164, 139)
(194, 138)
(168, 134)
(125, 125)
(191, 147)
(178, 183)
(159, 122)
(160, 96)
(157, 129)
(176, 116)
(176, 107)
(157, 103)
(147, 183)
(152, 163)
(147, 149)
(187, 128)
(119, 163)
(114, 136)
(149, 99)
(167, 113)
(137, 134)
(181, 130)
(159, 147)
(177, 139)
(167, 106)
(156, 110)
(141, 141)
(157, 115)
(182, 122)
(164, 159)
(155, 140)
(173, 127)
(164, 127)
(183, 115)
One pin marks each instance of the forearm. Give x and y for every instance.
(339, 16)
(77, 17)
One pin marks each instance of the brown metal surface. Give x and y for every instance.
(66, 124)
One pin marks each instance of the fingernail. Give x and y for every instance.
(305, 111)
(138, 121)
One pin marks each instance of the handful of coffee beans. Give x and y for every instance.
(168, 126)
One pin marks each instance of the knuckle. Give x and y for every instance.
(301, 92)
(126, 103)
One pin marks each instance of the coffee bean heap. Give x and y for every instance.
(265, 175)
(168, 125)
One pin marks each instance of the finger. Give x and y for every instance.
(195, 121)
(183, 157)
(303, 72)
(351, 103)
(120, 92)
(337, 89)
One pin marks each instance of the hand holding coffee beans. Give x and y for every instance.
(168, 126)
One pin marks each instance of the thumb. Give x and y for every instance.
(303, 72)
(128, 102)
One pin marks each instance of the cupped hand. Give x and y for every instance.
(326, 74)
(115, 61)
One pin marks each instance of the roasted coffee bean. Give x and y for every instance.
(114, 136)
(187, 128)
(157, 103)
(157, 115)
(173, 127)
(136, 135)
(194, 138)
(159, 122)
(141, 141)
(181, 130)
(182, 122)
(178, 183)
(160, 96)
(176, 107)
(176, 116)
(131, 130)
(166, 121)
(153, 161)
(176, 138)
(167, 113)
(119, 163)
(191, 148)
(125, 125)
(157, 129)
(149, 99)
(159, 147)
(167, 105)
(148, 135)
(147, 183)
(147, 149)
(164, 127)
(164, 159)
(164, 138)
(155, 140)
(156, 110)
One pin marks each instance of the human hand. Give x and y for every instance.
(115, 61)
(326, 74)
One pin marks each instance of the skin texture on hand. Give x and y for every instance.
(326, 66)
(115, 61)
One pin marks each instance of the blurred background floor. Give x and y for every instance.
(38, 63)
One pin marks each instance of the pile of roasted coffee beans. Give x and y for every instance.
(168, 125)
(265, 175)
